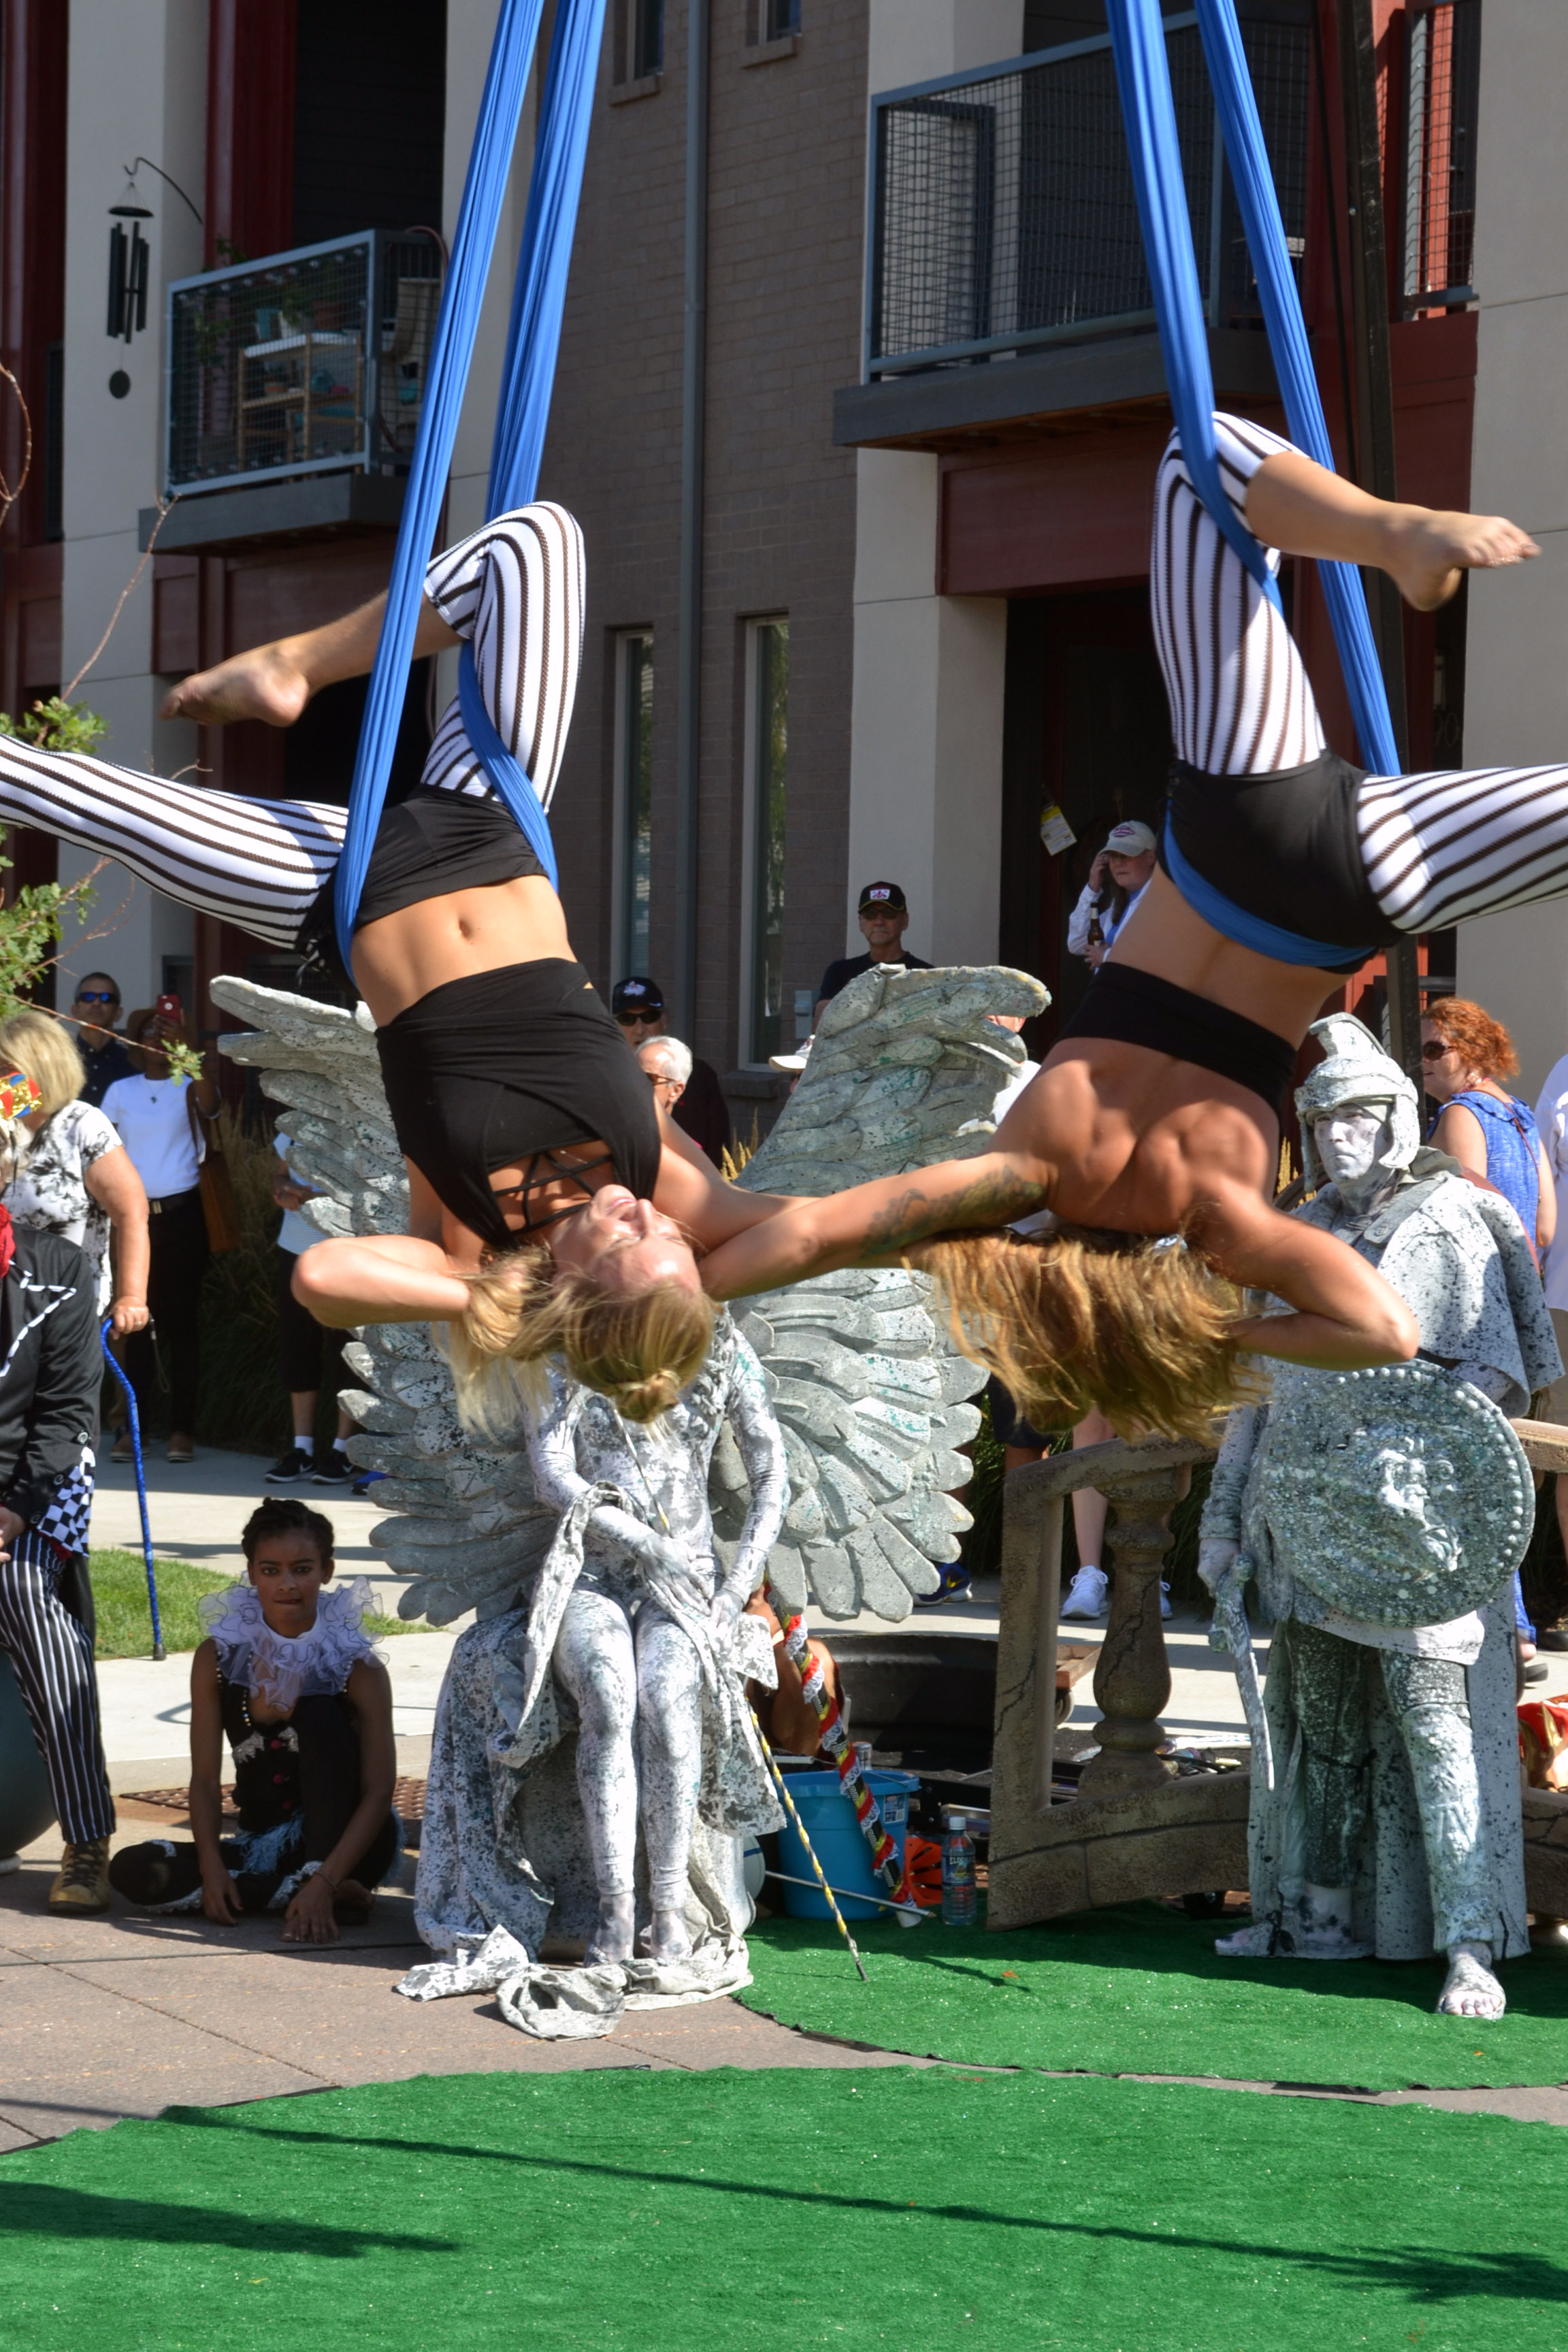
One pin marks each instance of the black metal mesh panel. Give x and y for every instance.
(302, 363)
(1442, 98)
(1005, 212)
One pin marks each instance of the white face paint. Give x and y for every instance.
(1352, 1143)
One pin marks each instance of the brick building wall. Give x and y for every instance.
(786, 195)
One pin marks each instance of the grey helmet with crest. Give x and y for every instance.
(1356, 1074)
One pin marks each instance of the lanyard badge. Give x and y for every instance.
(19, 1095)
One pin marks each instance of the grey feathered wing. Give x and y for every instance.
(869, 1388)
(464, 1521)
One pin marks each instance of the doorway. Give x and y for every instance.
(1086, 727)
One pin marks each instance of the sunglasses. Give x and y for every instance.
(639, 1020)
(95, 996)
(1434, 1049)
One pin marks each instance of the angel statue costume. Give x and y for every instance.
(631, 1637)
(1383, 1513)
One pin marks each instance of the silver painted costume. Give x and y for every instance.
(613, 1696)
(1396, 1772)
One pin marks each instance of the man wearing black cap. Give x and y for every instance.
(884, 918)
(638, 1004)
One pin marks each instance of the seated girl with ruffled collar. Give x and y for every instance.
(288, 1674)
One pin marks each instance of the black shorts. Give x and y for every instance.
(1008, 1423)
(303, 1361)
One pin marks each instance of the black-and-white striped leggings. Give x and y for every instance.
(515, 588)
(50, 1650)
(1437, 847)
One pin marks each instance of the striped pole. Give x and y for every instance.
(788, 1804)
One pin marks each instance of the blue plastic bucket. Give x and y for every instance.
(839, 1842)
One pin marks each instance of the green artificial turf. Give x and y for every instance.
(1140, 1991)
(630, 2211)
(124, 1625)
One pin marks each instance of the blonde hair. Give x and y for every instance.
(637, 1348)
(35, 1042)
(1139, 1331)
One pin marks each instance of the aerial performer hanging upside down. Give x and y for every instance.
(553, 1209)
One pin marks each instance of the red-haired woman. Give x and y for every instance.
(1465, 1055)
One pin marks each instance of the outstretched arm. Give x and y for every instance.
(1344, 1317)
(274, 682)
(1298, 505)
(873, 1224)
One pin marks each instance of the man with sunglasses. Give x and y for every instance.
(638, 1004)
(96, 1012)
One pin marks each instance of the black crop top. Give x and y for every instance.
(486, 1071)
(1139, 1008)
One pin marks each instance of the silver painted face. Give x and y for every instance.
(1353, 1145)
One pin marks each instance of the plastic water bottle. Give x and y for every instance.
(957, 1874)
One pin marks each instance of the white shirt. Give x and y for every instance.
(1551, 1118)
(295, 1234)
(1083, 913)
(154, 1123)
(1009, 1095)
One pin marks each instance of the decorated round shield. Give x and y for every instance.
(1399, 1494)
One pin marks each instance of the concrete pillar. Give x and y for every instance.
(138, 87)
(925, 761)
(1516, 691)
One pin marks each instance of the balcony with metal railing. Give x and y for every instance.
(301, 364)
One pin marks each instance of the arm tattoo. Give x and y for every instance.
(992, 1199)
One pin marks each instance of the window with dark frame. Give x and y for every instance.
(636, 802)
(781, 17)
(769, 750)
(647, 43)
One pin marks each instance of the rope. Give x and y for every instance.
(1143, 78)
(526, 382)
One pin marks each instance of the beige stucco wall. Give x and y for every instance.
(138, 87)
(925, 771)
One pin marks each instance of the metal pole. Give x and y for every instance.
(689, 677)
(1372, 371)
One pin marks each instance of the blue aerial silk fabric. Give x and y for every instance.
(532, 340)
(1144, 78)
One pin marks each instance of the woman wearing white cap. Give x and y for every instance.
(1127, 861)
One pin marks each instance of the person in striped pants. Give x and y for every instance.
(51, 1369)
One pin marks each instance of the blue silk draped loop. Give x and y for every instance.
(1238, 923)
(504, 769)
(528, 374)
(1144, 78)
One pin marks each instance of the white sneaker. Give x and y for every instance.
(1164, 1598)
(1086, 1594)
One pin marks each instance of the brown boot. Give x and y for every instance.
(82, 1886)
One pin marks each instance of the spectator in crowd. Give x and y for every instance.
(72, 1175)
(1465, 1055)
(668, 1066)
(1117, 881)
(884, 917)
(1552, 1121)
(95, 1009)
(161, 1122)
(51, 1368)
(793, 1064)
(289, 1675)
(789, 1721)
(701, 1112)
(308, 1352)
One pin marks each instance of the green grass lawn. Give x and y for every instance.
(124, 1626)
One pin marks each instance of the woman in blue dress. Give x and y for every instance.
(1465, 1055)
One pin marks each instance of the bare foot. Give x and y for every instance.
(262, 683)
(354, 1901)
(1471, 1989)
(1428, 552)
(1254, 1943)
(668, 1938)
(612, 1938)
